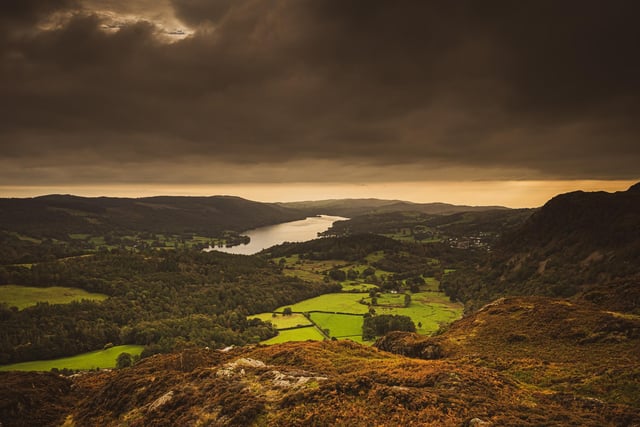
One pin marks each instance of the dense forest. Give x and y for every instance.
(160, 299)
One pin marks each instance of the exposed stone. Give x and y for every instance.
(162, 400)
(477, 422)
(292, 380)
(230, 369)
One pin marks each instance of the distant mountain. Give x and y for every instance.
(576, 243)
(355, 207)
(63, 214)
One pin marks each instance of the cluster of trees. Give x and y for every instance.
(17, 250)
(374, 326)
(352, 248)
(158, 298)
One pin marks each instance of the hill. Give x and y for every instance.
(546, 343)
(582, 221)
(480, 227)
(60, 226)
(355, 207)
(585, 245)
(56, 215)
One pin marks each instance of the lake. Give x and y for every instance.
(271, 235)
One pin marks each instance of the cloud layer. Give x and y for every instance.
(305, 90)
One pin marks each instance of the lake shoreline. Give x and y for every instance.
(292, 231)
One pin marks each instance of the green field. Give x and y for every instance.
(344, 302)
(94, 359)
(431, 309)
(374, 257)
(281, 321)
(302, 334)
(25, 296)
(340, 325)
(431, 284)
(428, 310)
(25, 238)
(390, 299)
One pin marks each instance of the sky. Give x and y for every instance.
(468, 102)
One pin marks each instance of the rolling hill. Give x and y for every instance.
(57, 215)
(355, 207)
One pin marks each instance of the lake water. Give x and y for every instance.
(271, 235)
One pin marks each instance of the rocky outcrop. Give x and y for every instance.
(411, 345)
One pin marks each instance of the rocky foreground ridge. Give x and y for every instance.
(519, 361)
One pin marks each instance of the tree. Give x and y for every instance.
(338, 275)
(379, 325)
(124, 360)
(287, 311)
(407, 300)
(368, 272)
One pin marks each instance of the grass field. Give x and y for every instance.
(340, 325)
(302, 334)
(281, 321)
(94, 359)
(428, 310)
(390, 299)
(374, 257)
(345, 302)
(25, 296)
(307, 269)
(25, 238)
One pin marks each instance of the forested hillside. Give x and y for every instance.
(577, 244)
(58, 226)
(163, 214)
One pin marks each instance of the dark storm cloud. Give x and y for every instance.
(395, 89)
(29, 12)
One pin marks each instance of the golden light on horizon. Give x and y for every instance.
(513, 194)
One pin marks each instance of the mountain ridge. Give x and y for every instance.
(353, 207)
(576, 244)
(175, 214)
